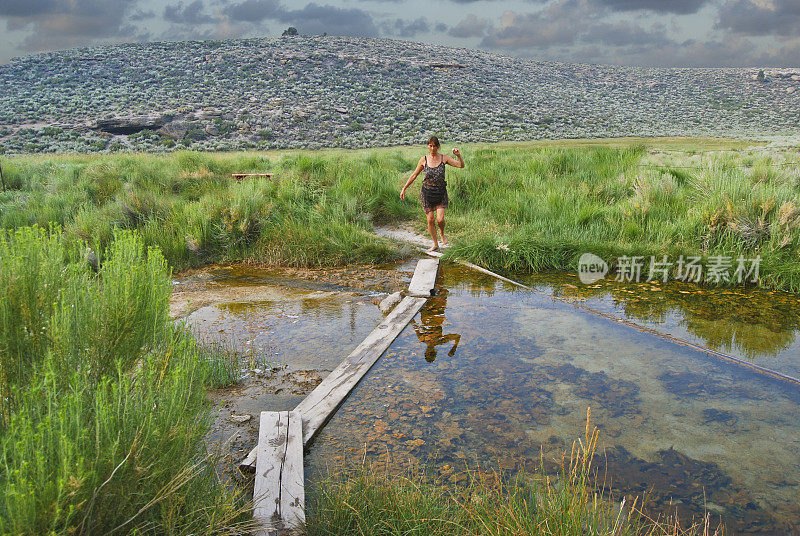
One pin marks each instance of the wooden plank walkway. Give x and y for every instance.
(322, 402)
(240, 176)
(278, 492)
(424, 278)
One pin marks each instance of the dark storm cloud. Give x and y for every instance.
(473, 1)
(681, 7)
(780, 17)
(405, 28)
(26, 8)
(254, 10)
(76, 21)
(312, 19)
(142, 15)
(55, 24)
(574, 26)
(190, 14)
(557, 24)
(317, 19)
(625, 33)
(470, 26)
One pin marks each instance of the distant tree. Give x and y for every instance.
(760, 76)
(291, 30)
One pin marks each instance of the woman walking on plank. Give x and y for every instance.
(434, 188)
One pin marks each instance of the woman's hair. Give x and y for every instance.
(434, 140)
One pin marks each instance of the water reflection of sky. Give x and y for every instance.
(702, 433)
(753, 324)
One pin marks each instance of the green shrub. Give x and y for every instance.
(102, 414)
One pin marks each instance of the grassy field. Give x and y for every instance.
(102, 398)
(515, 207)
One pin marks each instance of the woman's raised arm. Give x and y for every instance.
(455, 163)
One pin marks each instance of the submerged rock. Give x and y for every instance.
(389, 302)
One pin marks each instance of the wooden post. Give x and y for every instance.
(3, 179)
(240, 176)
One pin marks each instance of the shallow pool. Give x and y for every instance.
(492, 376)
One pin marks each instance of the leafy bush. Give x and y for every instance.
(101, 397)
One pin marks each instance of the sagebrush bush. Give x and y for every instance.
(102, 399)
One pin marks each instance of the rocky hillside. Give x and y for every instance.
(313, 92)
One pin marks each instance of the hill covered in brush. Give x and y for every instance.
(312, 92)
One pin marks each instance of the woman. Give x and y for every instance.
(434, 188)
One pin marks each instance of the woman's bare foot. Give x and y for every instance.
(433, 248)
(444, 240)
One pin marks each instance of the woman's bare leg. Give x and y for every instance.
(440, 222)
(432, 229)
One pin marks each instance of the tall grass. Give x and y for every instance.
(532, 210)
(524, 207)
(318, 211)
(366, 501)
(102, 408)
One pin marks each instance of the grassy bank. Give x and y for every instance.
(318, 213)
(518, 211)
(102, 400)
(369, 502)
(515, 207)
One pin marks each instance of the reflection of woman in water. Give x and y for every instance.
(430, 330)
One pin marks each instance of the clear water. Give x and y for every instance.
(697, 433)
(751, 324)
(280, 320)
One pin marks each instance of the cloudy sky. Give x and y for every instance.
(627, 32)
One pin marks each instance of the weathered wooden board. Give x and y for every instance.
(424, 278)
(240, 176)
(322, 402)
(278, 492)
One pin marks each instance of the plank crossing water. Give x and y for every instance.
(322, 402)
(424, 278)
(278, 492)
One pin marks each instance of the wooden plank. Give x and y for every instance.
(273, 434)
(293, 496)
(323, 401)
(240, 176)
(424, 278)
(278, 492)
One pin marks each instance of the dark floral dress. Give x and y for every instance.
(434, 188)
